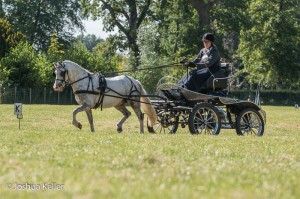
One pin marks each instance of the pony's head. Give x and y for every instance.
(60, 74)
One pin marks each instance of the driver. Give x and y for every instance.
(207, 63)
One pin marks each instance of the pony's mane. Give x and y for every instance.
(75, 65)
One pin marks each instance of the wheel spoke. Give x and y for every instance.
(161, 128)
(249, 122)
(200, 115)
(210, 130)
(205, 129)
(204, 119)
(210, 126)
(254, 132)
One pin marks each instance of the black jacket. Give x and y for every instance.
(213, 61)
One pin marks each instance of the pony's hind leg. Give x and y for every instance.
(126, 114)
(90, 118)
(136, 106)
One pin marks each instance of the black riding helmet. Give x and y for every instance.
(209, 37)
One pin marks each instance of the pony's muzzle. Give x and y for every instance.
(57, 86)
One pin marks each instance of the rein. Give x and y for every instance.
(79, 79)
(141, 69)
(103, 89)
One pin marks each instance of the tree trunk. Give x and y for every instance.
(2, 14)
(134, 50)
(131, 28)
(203, 13)
(36, 22)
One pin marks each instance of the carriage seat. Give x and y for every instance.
(217, 81)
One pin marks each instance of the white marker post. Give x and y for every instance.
(18, 112)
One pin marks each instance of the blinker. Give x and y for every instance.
(62, 73)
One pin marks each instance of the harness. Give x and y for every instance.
(102, 90)
(102, 86)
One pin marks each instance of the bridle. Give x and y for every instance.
(64, 73)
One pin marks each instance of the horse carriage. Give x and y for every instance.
(204, 113)
(209, 111)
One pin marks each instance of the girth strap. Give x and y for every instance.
(86, 92)
(102, 87)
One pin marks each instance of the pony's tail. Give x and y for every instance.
(149, 110)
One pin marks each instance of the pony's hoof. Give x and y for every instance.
(79, 126)
(151, 129)
(119, 129)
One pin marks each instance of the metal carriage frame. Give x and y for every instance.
(207, 114)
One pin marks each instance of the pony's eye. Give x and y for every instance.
(62, 73)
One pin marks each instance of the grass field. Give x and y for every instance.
(49, 150)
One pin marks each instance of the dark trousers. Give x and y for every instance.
(195, 79)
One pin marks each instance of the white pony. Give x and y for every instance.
(93, 90)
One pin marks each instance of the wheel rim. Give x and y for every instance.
(251, 124)
(206, 121)
(158, 128)
(165, 124)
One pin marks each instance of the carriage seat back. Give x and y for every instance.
(215, 81)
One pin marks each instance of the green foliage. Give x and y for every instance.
(228, 17)
(105, 57)
(55, 51)
(78, 53)
(22, 67)
(90, 41)
(39, 19)
(102, 58)
(262, 35)
(127, 16)
(177, 34)
(45, 70)
(8, 37)
(166, 38)
(270, 45)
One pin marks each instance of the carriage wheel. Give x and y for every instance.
(204, 119)
(250, 122)
(165, 123)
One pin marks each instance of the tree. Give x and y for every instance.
(38, 19)
(22, 67)
(228, 17)
(177, 32)
(105, 58)
(90, 41)
(203, 8)
(126, 15)
(78, 53)
(55, 52)
(1, 9)
(8, 37)
(270, 45)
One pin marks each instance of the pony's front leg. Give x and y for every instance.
(90, 118)
(77, 110)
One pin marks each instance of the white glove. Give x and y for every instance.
(204, 58)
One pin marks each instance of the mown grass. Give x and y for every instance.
(106, 164)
